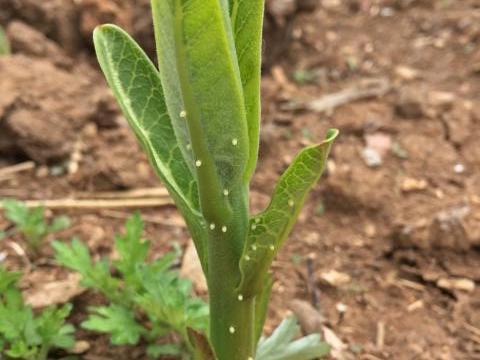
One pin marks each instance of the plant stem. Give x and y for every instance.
(231, 326)
(43, 353)
(231, 318)
(231, 314)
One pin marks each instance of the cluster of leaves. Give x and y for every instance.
(31, 223)
(4, 43)
(24, 335)
(146, 300)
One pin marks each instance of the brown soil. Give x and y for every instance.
(389, 254)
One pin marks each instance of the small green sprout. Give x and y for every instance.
(31, 223)
(24, 335)
(307, 76)
(198, 118)
(320, 209)
(141, 290)
(4, 43)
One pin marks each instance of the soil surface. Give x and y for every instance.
(385, 259)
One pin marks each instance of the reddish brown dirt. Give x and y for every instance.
(397, 235)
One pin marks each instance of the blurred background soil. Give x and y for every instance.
(385, 259)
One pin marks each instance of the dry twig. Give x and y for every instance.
(149, 219)
(128, 194)
(7, 172)
(366, 89)
(380, 335)
(97, 203)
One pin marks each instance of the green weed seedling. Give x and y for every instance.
(24, 335)
(31, 223)
(197, 117)
(4, 43)
(149, 291)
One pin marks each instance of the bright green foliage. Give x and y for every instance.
(269, 229)
(24, 335)
(247, 24)
(118, 321)
(142, 290)
(197, 35)
(95, 275)
(31, 223)
(4, 43)
(141, 98)
(197, 117)
(281, 346)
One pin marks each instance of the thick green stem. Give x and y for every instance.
(231, 327)
(232, 315)
(43, 353)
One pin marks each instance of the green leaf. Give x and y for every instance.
(21, 350)
(281, 346)
(75, 257)
(15, 211)
(59, 223)
(34, 228)
(165, 39)
(26, 336)
(269, 229)
(136, 85)
(64, 338)
(8, 280)
(50, 325)
(4, 43)
(140, 95)
(16, 320)
(31, 222)
(282, 335)
(116, 320)
(94, 275)
(200, 76)
(130, 247)
(168, 300)
(156, 350)
(247, 23)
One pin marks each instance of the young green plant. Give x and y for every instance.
(31, 224)
(140, 290)
(24, 335)
(4, 43)
(197, 117)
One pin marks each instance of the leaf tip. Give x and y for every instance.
(331, 135)
(97, 31)
(102, 30)
(102, 27)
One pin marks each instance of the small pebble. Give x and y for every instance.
(459, 168)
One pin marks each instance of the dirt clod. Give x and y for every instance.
(40, 117)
